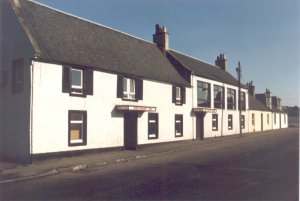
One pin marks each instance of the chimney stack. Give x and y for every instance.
(251, 88)
(161, 37)
(221, 61)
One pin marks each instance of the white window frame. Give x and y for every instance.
(127, 94)
(178, 95)
(152, 135)
(80, 122)
(215, 128)
(230, 122)
(76, 87)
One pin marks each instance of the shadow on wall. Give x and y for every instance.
(116, 114)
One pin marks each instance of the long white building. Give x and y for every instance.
(70, 85)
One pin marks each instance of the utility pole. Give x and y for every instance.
(239, 74)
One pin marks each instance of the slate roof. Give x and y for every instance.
(60, 37)
(255, 104)
(205, 70)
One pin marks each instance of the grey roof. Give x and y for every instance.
(255, 104)
(205, 70)
(60, 37)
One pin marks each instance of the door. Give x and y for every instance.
(130, 130)
(200, 126)
(262, 121)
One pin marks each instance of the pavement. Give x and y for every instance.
(13, 172)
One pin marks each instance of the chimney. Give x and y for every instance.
(161, 37)
(251, 88)
(221, 61)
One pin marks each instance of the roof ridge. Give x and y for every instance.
(90, 21)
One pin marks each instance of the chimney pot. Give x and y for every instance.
(161, 37)
(221, 61)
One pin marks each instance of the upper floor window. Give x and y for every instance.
(178, 95)
(77, 81)
(218, 96)
(129, 88)
(243, 101)
(203, 94)
(230, 99)
(17, 76)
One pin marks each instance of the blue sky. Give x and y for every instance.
(264, 35)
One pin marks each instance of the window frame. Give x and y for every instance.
(178, 120)
(231, 105)
(153, 119)
(207, 101)
(128, 93)
(216, 90)
(243, 101)
(230, 122)
(215, 122)
(76, 90)
(83, 127)
(243, 121)
(253, 119)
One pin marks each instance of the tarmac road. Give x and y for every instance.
(263, 167)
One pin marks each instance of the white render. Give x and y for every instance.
(104, 123)
(259, 123)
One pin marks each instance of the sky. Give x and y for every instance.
(264, 35)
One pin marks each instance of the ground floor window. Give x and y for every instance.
(215, 122)
(243, 121)
(230, 122)
(274, 118)
(77, 128)
(153, 126)
(253, 119)
(268, 119)
(178, 125)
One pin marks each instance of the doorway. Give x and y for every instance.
(130, 130)
(200, 126)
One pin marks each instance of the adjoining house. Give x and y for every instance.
(70, 85)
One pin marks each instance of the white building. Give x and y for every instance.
(69, 85)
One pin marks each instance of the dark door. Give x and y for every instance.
(200, 126)
(130, 131)
(262, 121)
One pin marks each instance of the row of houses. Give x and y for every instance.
(70, 85)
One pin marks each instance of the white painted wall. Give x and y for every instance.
(104, 123)
(222, 114)
(257, 127)
(14, 108)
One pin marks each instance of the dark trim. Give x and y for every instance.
(217, 125)
(178, 117)
(138, 88)
(230, 115)
(17, 67)
(153, 116)
(84, 124)
(75, 153)
(182, 94)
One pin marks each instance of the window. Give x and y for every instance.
(243, 101)
(230, 122)
(214, 122)
(230, 99)
(152, 126)
(178, 125)
(243, 121)
(178, 95)
(253, 119)
(77, 128)
(17, 76)
(203, 94)
(284, 118)
(129, 89)
(218, 96)
(268, 119)
(77, 82)
(274, 118)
